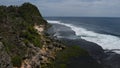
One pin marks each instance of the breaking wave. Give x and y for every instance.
(107, 41)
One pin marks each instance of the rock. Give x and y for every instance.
(107, 59)
(1, 38)
(45, 60)
(112, 60)
(60, 31)
(50, 46)
(83, 62)
(5, 61)
(93, 49)
(32, 58)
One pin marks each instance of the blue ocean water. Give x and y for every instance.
(97, 24)
(104, 31)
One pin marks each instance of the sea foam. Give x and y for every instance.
(108, 42)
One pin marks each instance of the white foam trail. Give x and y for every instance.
(106, 41)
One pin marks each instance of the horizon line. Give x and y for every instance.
(85, 16)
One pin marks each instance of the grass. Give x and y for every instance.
(63, 57)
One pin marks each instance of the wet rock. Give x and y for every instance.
(112, 60)
(94, 50)
(60, 31)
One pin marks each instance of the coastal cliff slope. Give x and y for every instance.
(24, 43)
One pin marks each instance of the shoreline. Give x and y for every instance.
(95, 50)
(63, 30)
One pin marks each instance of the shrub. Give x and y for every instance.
(16, 60)
(32, 36)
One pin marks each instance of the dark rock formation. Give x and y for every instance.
(112, 60)
(84, 62)
(106, 59)
(60, 31)
(94, 50)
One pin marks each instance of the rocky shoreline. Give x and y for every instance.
(106, 58)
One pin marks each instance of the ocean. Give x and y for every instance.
(104, 31)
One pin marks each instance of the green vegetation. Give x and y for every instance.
(32, 36)
(64, 57)
(17, 28)
(16, 60)
(72, 51)
(74, 57)
(33, 16)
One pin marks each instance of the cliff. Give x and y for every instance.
(22, 39)
(24, 43)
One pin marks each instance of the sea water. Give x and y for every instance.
(104, 31)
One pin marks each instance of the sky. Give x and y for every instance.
(78, 8)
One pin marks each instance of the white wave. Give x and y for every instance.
(106, 41)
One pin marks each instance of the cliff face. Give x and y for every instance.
(22, 39)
